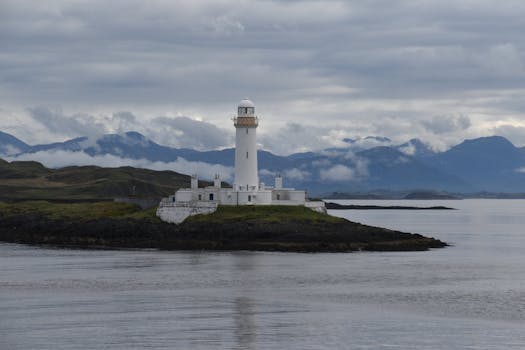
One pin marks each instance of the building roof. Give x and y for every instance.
(246, 103)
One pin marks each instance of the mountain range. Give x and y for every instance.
(483, 164)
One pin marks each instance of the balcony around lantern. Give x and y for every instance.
(246, 122)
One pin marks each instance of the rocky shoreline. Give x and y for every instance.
(294, 235)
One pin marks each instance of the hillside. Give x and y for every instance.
(31, 180)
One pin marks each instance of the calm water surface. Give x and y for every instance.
(469, 296)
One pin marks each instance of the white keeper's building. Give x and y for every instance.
(246, 190)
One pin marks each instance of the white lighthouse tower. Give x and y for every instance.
(245, 190)
(246, 122)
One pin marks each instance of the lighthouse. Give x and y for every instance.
(246, 189)
(246, 122)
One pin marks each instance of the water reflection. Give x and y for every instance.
(244, 307)
(196, 258)
(244, 321)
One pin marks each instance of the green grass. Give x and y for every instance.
(85, 211)
(264, 213)
(224, 214)
(150, 214)
(27, 169)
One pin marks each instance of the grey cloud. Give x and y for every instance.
(186, 132)
(124, 121)
(69, 125)
(336, 65)
(182, 132)
(446, 124)
(295, 137)
(338, 172)
(515, 134)
(296, 174)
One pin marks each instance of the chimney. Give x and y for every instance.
(278, 181)
(194, 182)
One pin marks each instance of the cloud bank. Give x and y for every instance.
(319, 71)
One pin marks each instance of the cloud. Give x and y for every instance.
(70, 125)
(266, 172)
(368, 142)
(187, 132)
(409, 149)
(515, 133)
(124, 121)
(406, 64)
(360, 165)
(321, 162)
(446, 124)
(180, 131)
(338, 172)
(60, 159)
(295, 137)
(7, 150)
(296, 174)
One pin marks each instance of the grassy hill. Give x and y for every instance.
(32, 181)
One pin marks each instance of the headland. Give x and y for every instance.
(110, 225)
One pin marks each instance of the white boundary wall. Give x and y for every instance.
(175, 213)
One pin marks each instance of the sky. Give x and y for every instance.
(318, 71)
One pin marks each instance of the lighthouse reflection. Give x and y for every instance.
(245, 328)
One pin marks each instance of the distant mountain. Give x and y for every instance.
(370, 163)
(31, 180)
(416, 148)
(487, 163)
(379, 139)
(392, 169)
(133, 145)
(10, 145)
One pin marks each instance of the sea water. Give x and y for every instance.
(467, 296)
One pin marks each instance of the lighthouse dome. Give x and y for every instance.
(246, 103)
(246, 108)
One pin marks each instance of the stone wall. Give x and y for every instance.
(175, 213)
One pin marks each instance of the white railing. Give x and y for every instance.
(166, 203)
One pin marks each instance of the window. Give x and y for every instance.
(249, 198)
(246, 131)
(211, 196)
(278, 196)
(246, 155)
(200, 197)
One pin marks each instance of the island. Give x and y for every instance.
(115, 225)
(337, 206)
